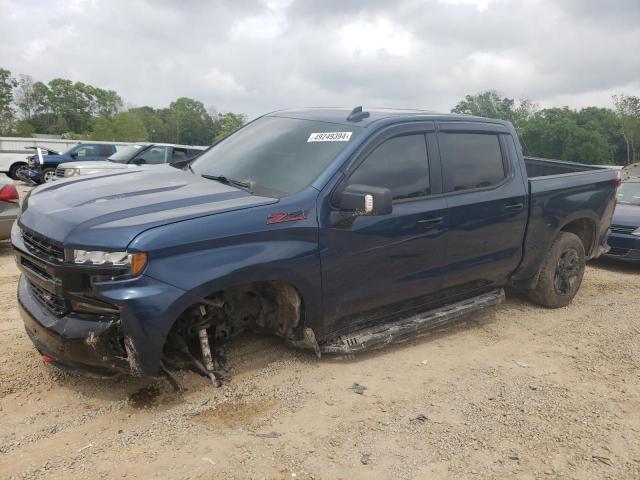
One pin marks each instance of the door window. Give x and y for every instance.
(86, 151)
(399, 164)
(153, 156)
(178, 154)
(471, 160)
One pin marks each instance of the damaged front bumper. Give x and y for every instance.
(94, 346)
(82, 319)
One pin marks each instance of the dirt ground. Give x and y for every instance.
(514, 392)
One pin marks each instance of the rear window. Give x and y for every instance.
(471, 160)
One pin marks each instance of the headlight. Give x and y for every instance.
(71, 172)
(636, 232)
(135, 261)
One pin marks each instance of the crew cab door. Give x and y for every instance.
(487, 199)
(377, 267)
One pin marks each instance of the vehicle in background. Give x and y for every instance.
(133, 156)
(624, 238)
(43, 170)
(16, 166)
(336, 230)
(9, 207)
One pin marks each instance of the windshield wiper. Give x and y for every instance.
(230, 181)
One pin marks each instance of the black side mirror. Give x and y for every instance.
(138, 161)
(366, 200)
(74, 155)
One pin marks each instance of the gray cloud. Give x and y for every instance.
(259, 55)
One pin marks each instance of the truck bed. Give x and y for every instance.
(559, 191)
(544, 167)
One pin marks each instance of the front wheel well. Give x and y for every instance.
(272, 306)
(585, 230)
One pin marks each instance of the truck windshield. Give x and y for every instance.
(126, 154)
(275, 154)
(629, 193)
(71, 149)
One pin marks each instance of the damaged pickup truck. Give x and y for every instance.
(336, 230)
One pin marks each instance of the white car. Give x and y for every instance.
(133, 156)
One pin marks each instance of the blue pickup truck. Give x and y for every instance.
(337, 230)
(45, 171)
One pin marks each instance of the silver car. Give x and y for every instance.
(9, 206)
(133, 156)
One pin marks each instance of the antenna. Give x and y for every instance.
(357, 114)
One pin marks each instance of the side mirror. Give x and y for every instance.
(366, 200)
(74, 155)
(138, 161)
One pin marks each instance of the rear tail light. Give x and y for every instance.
(8, 193)
(618, 181)
(48, 358)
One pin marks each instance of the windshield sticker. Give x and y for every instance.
(329, 137)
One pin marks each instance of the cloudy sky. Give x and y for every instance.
(254, 56)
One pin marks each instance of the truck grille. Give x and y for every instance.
(60, 172)
(50, 301)
(622, 229)
(42, 246)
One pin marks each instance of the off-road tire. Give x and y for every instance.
(561, 272)
(48, 173)
(13, 171)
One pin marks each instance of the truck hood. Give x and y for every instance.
(107, 211)
(628, 215)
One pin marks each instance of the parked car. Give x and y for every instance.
(8, 206)
(45, 171)
(335, 230)
(133, 156)
(625, 228)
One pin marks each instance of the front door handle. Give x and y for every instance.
(514, 207)
(430, 222)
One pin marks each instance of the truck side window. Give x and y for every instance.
(86, 151)
(154, 156)
(471, 160)
(399, 164)
(106, 150)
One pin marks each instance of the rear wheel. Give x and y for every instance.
(48, 175)
(15, 168)
(561, 273)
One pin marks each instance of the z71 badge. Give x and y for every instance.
(281, 217)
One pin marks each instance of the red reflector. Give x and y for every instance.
(8, 193)
(617, 182)
(47, 358)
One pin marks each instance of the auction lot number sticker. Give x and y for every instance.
(329, 137)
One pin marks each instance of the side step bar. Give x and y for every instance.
(380, 335)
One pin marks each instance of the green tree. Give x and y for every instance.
(128, 127)
(227, 123)
(491, 104)
(123, 127)
(555, 133)
(628, 110)
(188, 122)
(7, 114)
(154, 122)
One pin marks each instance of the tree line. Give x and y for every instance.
(592, 135)
(78, 110)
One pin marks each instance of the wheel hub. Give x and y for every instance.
(567, 272)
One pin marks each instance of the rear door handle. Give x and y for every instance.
(514, 207)
(430, 222)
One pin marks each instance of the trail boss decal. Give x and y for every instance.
(329, 137)
(281, 217)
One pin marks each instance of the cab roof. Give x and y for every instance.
(346, 116)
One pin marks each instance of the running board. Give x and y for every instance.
(381, 335)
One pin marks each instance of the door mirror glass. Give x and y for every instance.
(366, 200)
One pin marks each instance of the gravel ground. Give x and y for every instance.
(516, 391)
